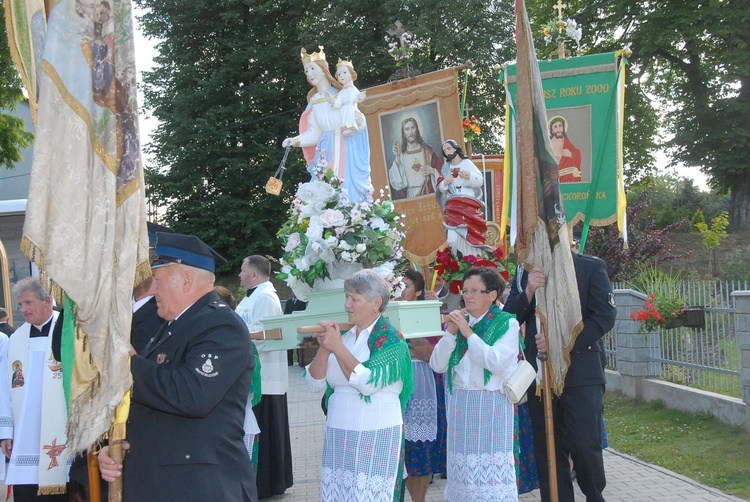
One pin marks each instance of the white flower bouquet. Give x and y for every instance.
(325, 231)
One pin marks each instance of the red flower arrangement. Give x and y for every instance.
(453, 267)
(658, 311)
(471, 128)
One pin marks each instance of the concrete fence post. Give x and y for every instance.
(634, 350)
(742, 331)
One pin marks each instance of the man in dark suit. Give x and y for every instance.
(578, 411)
(4, 326)
(190, 387)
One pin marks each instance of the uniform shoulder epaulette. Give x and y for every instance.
(592, 258)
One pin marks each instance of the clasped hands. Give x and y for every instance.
(457, 323)
(330, 339)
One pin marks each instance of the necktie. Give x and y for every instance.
(158, 337)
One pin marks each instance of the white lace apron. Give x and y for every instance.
(480, 447)
(360, 466)
(420, 419)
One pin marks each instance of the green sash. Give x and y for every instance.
(255, 385)
(490, 329)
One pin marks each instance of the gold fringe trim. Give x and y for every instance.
(422, 261)
(52, 490)
(34, 253)
(409, 96)
(117, 432)
(142, 272)
(570, 72)
(601, 222)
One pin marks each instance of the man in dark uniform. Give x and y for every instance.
(5, 327)
(146, 322)
(190, 387)
(578, 411)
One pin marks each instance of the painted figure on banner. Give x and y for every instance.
(80, 47)
(322, 128)
(459, 193)
(415, 170)
(568, 157)
(347, 98)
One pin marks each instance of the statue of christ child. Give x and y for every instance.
(347, 98)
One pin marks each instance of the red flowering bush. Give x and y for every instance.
(658, 311)
(452, 267)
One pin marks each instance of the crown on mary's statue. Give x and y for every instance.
(344, 62)
(315, 56)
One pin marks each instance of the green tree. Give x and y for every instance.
(712, 236)
(13, 134)
(222, 91)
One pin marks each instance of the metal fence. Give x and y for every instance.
(705, 357)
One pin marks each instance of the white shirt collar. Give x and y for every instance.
(39, 327)
(473, 320)
(140, 303)
(366, 330)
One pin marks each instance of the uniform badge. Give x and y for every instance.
(612, 299)
(161, 358)
(207, 368)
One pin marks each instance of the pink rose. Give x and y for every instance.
(332, 218)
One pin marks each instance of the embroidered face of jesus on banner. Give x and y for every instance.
(408, 121)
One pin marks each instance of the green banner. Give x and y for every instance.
(584, 103)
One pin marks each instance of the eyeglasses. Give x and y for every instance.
(474, 292)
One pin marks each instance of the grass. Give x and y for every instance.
(696, 446)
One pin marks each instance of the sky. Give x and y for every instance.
(145, 51)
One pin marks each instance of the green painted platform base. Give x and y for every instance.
(414, 319)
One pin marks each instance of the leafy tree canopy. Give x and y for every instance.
(693, 58)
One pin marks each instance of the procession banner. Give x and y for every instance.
(26, 23)
(583, 123)
(85, 225)
(543, 240)
(409, 120)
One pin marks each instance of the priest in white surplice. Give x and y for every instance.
(275, 473)
(33, 411)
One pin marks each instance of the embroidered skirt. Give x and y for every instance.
(362, 466)
(481, 464)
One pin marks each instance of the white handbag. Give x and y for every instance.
(518, 383)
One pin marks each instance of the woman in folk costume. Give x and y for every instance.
(367, 375)
(421, 416)
(479, 352)
(322, 128)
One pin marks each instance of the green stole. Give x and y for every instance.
(255, 385)
(490, 329)
(389, 361)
